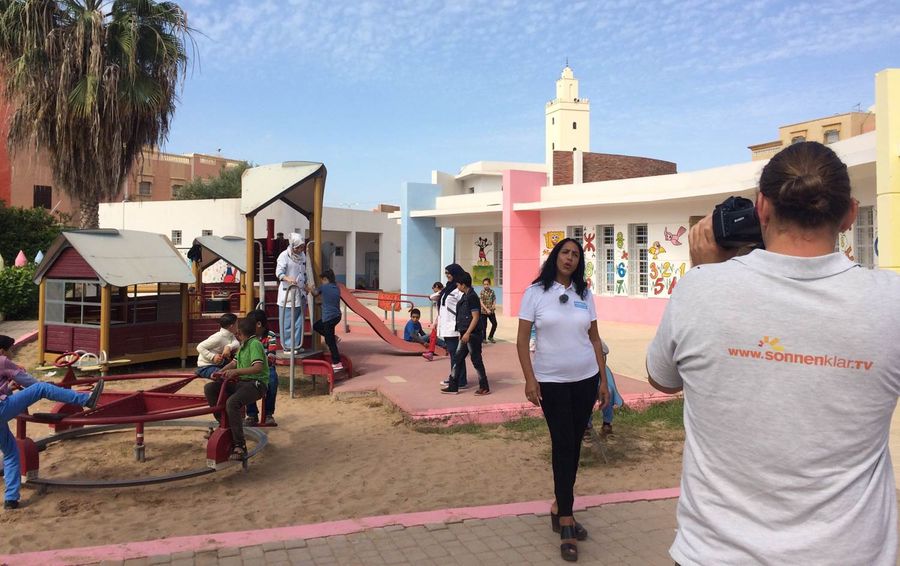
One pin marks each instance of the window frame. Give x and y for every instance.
(179, 237)
(638, 260)
(606, 267)
(864, 236)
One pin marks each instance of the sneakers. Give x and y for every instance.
(238, 453)
(483, 392)
(270, 421)
(95, 395)
(606, 429)
(464, 386)
(446, 383)
(448, 391)
(10, 504)
(251, 421)
(428, 356)
(492, 341)
(337, 367)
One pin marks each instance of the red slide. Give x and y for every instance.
(381, 329)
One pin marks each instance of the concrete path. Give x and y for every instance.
(18, 328)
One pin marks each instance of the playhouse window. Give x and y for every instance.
(73, 302)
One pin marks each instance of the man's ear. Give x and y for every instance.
(850, 216)
(763, 209)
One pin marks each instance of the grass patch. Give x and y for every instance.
(668, 414)
(468, 428)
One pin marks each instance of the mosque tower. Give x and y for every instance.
(568, 118)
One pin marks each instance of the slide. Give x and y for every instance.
(380, 328)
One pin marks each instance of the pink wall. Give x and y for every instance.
(633, 310)
(521, 235)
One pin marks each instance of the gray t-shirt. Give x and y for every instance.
(791, 371)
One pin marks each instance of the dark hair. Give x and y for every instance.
(463, 278)
(414, 312)
(6, 342)
(327, 274)
(437, 284)
(548, 270)
(454, 269)
(260, 316)
(488, 279)
(227, 320)
(247, 326)
(807, 184)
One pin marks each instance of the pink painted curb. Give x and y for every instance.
(26, 338)
(200, 543)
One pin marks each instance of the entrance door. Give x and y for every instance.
(372, 270)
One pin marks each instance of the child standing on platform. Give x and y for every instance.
(331, 315)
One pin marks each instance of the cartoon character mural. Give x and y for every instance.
(483, 267)
(845, 247)
(674, 238)
(665, 268)
(621, 265)
(551, 238)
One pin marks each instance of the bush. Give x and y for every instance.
(18, 293)
(28, 229)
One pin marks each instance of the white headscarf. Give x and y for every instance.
(294, 240)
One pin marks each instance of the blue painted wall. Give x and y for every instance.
(420, 240)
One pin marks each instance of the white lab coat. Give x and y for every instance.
(287, 267)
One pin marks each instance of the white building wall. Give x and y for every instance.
(223, 218)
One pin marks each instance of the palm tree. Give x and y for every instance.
(92, 82)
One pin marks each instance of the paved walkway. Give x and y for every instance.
(634, 533)
(17, 328)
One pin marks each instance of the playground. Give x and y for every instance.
(350, 455)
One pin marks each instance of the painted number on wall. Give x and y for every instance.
(665, 275)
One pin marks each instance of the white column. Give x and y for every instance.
(350, 259)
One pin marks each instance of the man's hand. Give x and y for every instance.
(465, 337)
(704, 248)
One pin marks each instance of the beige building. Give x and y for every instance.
(825, 130)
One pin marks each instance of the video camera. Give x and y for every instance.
(736, 224)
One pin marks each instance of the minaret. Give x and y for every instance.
(568, 119)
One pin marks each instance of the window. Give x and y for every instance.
(574, 125)
(43, 196)
(552, 121)
(832, 136)
(145, 188)
(176, 237)
(638, 264)
(864, 236)
(203, 233)
(175, 189)
(498, 258)
(798, 139)
(576, 233)
(73, 302)
(470, 190)
(553, 145)
(607, 259)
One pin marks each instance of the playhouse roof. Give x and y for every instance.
(291, 182)
(122, 257)
(232, 249)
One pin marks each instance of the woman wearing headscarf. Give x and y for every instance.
(290, 269)
(447, 320)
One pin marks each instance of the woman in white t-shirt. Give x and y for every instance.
(567, 373)
(446, 323)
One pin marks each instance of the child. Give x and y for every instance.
(269, 341)
(331, 315)
(215, 351)
(413, 332)
(615, 400)
(468, 311)
(436, 289)
(12, 405)
(246, 379)
(488, 305)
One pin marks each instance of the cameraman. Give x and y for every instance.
(789, 359)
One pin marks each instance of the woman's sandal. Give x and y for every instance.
(568, 550)
(580, 532)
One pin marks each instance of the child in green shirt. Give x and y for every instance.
(246, 379)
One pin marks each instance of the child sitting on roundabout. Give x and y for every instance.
(269, 341)
(11, 405)
(246, 379)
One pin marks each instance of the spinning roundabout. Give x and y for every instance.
(159, 406)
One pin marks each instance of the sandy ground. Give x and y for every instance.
(327, 460)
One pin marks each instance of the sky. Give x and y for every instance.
(384, 92)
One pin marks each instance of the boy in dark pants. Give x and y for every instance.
(331, 315)
(468, 312)
(246, 380)
(269, 341)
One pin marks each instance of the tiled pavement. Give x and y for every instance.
(622, 534)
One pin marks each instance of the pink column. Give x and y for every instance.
(521, 236)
